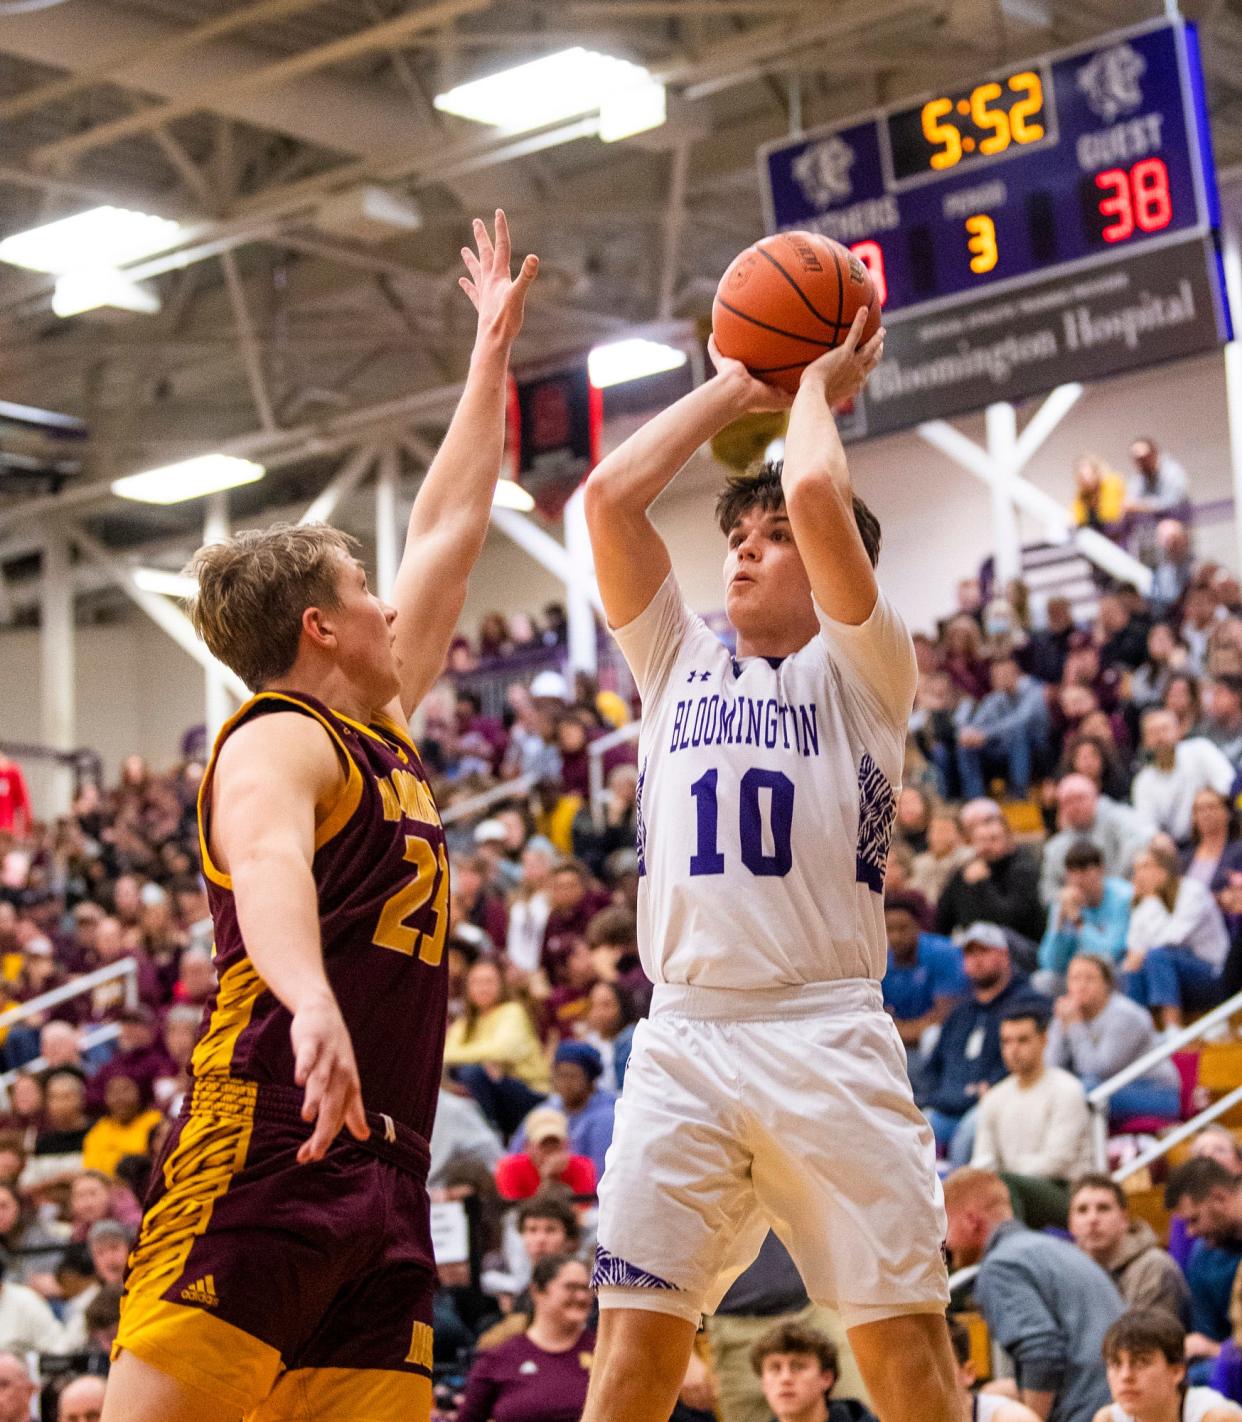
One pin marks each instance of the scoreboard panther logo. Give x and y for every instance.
(822, 171)
(1111, 82)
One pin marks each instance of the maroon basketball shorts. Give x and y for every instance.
(285, 1290)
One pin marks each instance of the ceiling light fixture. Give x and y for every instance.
(160, 580)
(557, 86)
(99, 237)
(632, 359)
(509, 494)
(93, 287)
(190, 479)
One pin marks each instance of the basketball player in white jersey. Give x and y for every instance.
(768, 1086)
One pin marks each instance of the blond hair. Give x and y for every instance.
(253, 589)
(983, 1189)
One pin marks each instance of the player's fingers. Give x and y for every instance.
(504, 247)
(469, 288)
(472, 264)
(484, 243)
(316, 1087)
(327, 1123)
(304, 1062)
(528, 271)
(355, 1113)
(874, 347)
(861, 317)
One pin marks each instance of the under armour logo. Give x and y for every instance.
(701, 676)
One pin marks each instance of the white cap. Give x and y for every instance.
(551, 686)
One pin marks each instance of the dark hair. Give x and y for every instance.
(761, 488)
(613, 925)
(1195, 1180)
(1082, 854)
(471, 697)
(1144, 1331)
(1027, 1012)
(551, 1204)
(795, 1338)
(905, 903)
(569, 865)
(77, 1259)
(546, 1270)
(1098, 961)
(1097, 1180)
(959, 1340)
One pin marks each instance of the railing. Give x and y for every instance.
(1100, 1096)
(595, 764)
(97, 1037)
(126, 968)
(87, 765)
(485, 799)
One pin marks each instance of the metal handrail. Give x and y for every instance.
(1099, 1097)
(506, 790)
(1178, 1135)
(596, 751)
(125, 968)
(97, 1037)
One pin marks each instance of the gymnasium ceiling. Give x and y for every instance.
(249, 119)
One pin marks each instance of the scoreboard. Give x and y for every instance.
(1055, 220)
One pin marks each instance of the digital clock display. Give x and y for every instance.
(957, 131)
(1096, 157)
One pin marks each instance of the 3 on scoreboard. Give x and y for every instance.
(1033, 167)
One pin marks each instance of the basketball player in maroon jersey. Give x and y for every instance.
(284, 1268)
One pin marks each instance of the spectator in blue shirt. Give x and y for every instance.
(966, 1059)
(1091, 914)
(576, 1068)
(925, 979)
(1006, 733)
(1209, 1198)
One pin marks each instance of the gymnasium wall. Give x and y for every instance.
(137, 691)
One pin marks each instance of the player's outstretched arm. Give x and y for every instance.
(271, 775)
(450, 517)
(816, 479)
(631, 561)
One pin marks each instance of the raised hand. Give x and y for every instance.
(842, 372)
(499, 298)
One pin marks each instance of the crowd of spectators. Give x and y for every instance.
(1064, 885)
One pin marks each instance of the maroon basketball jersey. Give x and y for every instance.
(381, 875)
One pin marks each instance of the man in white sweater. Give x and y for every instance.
(1035, 1123)
(1165, 789)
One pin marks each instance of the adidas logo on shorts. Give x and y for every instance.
(202, 1291)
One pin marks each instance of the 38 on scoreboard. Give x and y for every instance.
(1070, 159)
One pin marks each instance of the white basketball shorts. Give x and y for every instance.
(788, 1108)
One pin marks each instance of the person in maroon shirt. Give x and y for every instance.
(472, 903)
(575, 902)
(545, 1159)
(542, 1375)
(565, 1008)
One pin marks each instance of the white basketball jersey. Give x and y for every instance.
(1196, 1405)
(767, 792)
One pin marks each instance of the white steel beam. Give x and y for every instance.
(166, 617)
(266, 76)
(218, 704)
(57, 665)
(252, 354)
(547, 552)
(344, 482)
(583, 641)
(387, 476)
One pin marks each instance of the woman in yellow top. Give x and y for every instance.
(124, 1130)
(494, 1051)
(1101, 494)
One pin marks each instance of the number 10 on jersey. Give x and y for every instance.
(707, 857)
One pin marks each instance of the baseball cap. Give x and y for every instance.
(551, 686)
(986, 935)
(39, 946)
(546, 1123)
(580, 1054)
(489, 832)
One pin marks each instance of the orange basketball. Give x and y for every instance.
(787, 300)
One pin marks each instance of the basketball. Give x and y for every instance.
(786, 300)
